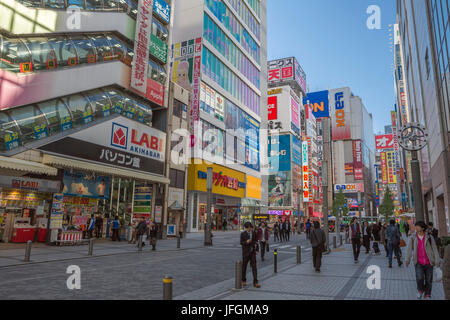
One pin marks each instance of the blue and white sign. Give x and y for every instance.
(296, 151)
(318, 101)
(279, 153)
(162, 9)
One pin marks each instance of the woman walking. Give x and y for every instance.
(318, 240)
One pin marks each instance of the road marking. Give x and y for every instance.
(282, 247)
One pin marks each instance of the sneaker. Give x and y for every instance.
(257, 285)
(390, 265)
(244, 284)
(419, 295)
(400, 264)
(427, 298)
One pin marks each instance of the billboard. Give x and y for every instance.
(349, 187)
(139, 68)
(349, 170)
(319, 103)
(305, 171)
(394, 134)
(383, 167)
(81, 184)
(390, 167)
(280, 189)
(279, 153)
(384, 141)
(272, 108)
(162, 9)
(283, 109)
(286, 70)
(296, 151)
(340, 114)
(357, 160)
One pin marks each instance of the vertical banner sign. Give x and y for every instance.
(340, 114)
(384, 167)
(392, 177)
(305, 171)
(272, 108)
(394, 134)
(142, 34)
(357, 160)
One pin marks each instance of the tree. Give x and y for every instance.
(387, 206)
(339, 202)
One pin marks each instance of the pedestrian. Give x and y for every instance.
(302, 225)
(224, 225)
(91, 226)
(98, 226)
(393, 237)
(423, 251)
(115, 229)
(367, 235)
(288, 231)
(295, 227)
(355, 235)
(383, 238)
(308, 228)
(141, 230)
(376, 239)
(263, 238)
(435, 233)
(276, 232)
(153, 235)
(347, 236)
(407, 229)
(318, 240)
(249, 243)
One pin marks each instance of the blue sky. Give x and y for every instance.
(335, 48)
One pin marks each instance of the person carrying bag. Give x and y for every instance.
(318, 240)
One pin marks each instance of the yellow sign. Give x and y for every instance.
(274, 91)
(253, 187)
(226, 181)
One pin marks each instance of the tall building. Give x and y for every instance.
(424, 29)
(219, 54)
(83, 115)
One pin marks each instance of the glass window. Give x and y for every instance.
(43, 55)
(100, 103)
(130, 7)
(118, 48)
(104, 50)
(116, 99)
(31, 121)
(157, 72)
(144, 113)
(55, 4)
(15, 56)
(80, 108)
(65, 51)
(94, 4)
(31, 3)
(85, 49)
(111, 5)
(58, 116)
(9, 133)
(159, 31)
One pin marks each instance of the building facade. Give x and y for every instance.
(424, 30)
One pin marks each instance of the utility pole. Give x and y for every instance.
(417, 186)
(209, 183)
(325, 202)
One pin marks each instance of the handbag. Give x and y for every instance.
(402, 243)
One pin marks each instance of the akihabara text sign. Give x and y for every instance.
(141, 46)
(340, 114)
(384, 141)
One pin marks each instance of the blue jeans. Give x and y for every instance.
(391, 250)
(424, 278)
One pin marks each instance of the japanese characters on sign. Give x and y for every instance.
(285, 70)
(305, 171)
(141, 46)
(384, 141)
(357, 160)
(383, 167)
(162, 9)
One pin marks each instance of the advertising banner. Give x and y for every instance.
(349, 187)
(155, 92)
(297, 178)
(340, 114)
(272, 108)
(280, 189)
(279, 153)
(395, 139)
(349, 170)
(142, 40)
(384, 141)
(383, 167)
(319, 103)
(392, 177)
(295, 115)
(357, 160)
(162, 9)
(296, 151)
(305, 167)
(283, 108)
(158, 49)
(281, 70)
(300, 76)
(85, 185)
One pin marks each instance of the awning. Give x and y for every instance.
(176, 206)
(26, 166)
(106, 170)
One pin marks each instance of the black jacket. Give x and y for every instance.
(141, 228)
(249, 248)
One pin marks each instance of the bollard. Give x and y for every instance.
(299, 254)
(238, 275)
(340, 240)
(334, 242)
(28, 251)
(91, 246)
(178, 242)
(140, 243)
(167, 288)
(275, 254)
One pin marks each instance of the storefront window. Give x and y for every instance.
(55, 4)
(85, 50)
(160, 31)
(118, 48)
(58, 116)
(117, 100)
(156, 72)
(31, 121)
(144, 113)
(111, 5)
(100, 102)
(104, 50)
(44, 57)
(15, 56)
(9, 133)
(94, 4)
(129, 6)
(65, 51)
(31, 3)
(80, 108)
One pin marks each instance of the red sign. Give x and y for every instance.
(155, 92)
(225, 181)
(272, 108)
(385, 141)
(349, 169)
(357, 160)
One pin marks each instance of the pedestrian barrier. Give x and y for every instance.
(28, 251)
(167, 288)
(238, 275)
(275, 254)
(299, 254)
(140, 243)
(91, 247)
(71, 238)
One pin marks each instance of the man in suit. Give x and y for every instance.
(263, 238)
(355, 235)
(249, 243)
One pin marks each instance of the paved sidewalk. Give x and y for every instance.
(12, 254)
(340, 279)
